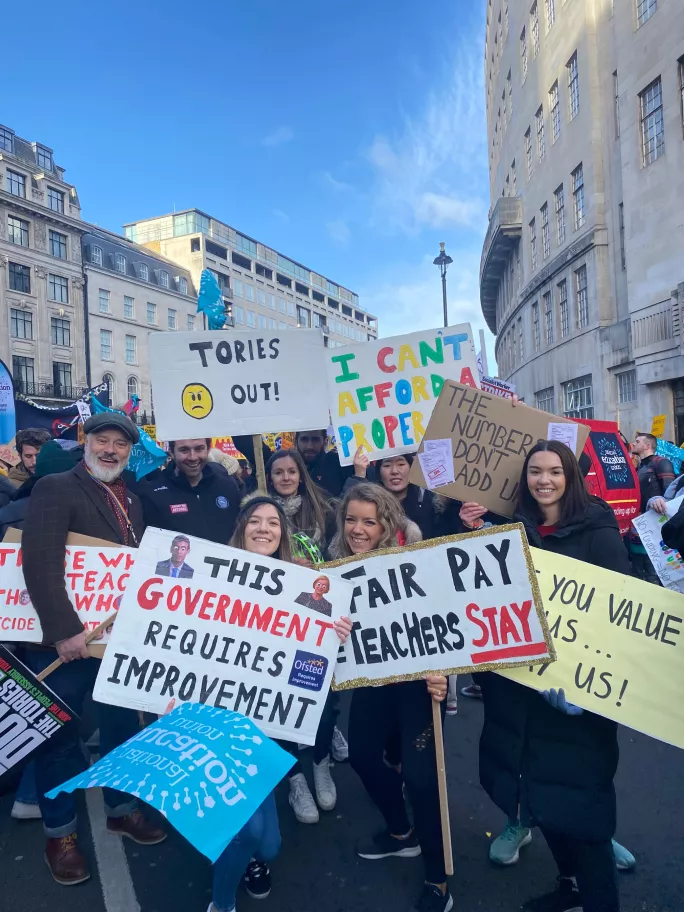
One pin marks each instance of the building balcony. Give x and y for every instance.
(503, 233)
(49, 390)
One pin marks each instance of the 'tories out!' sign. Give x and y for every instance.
(382, 393)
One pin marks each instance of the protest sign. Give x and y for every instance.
(30, 714)
(207, 384)
(618, 646)
(150, 430)
(382, 393)
(497, 387)
(658, 425)
(667, 562)
(490, 439)
(237, 631)
(458, 604)
(8, 422)
(612, 475)
(206, 770)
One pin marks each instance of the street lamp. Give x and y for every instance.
(443, 261)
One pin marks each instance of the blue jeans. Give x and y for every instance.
(59, 762)
(26, 790)
(259, 838)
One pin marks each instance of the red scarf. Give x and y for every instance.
(115, 495)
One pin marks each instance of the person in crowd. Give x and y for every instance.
(655, 474)
(28, 443)
(261, 527)
(175, 566)
(191, 496)
(91, 499)
(7, 490)
(229, 463)
(370, 518)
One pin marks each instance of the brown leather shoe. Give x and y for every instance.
(67, 864)
(136, 827)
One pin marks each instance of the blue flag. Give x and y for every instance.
(674, 453)
(206, 770)
(210, 300)
(145, 456)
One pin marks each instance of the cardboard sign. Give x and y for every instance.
(618, 645)
(206, 770)
(150, 430)
(490, 439)
(30, 714)
(237, 631)
(445, 606)
(667, 562)
(8, 454)
(382, 393)
(207, 384)
(658, 425)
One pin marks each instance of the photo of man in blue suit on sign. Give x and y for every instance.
(176, 566)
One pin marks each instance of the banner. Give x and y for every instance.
(618, 646)
(206, 770)
(488, 439)
(667, 562)
(206, 383)
(496, 387)
(382, 393)
(235, 630)
(612, 475)
(8, 424)
(674, 453)
(445, 606)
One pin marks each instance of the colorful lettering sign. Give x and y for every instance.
(667, 562)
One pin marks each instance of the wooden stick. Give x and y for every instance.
(442, 785)
(91, 635)
(259, 462)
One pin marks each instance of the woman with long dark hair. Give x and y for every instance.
(306, 507)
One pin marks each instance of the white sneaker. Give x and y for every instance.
(340, 748)
(301, 800)
(326, 793)
(23, 811)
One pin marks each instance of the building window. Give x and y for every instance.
(521, 341)
(21, 324)
(249, 292)
(6, 140)
(303, 317)
(523, 54)
(19, 278)
(548, 318)
(61, 378)
(183, 285)
(172, 319)
(262, 321)
(238, 313)
(191, 322)
(578, 196)
(546, 400)
(616, 104)
(546, 238)
(578, 398)
(541, 139)
(536, 338)
(573, 86)
(151, 313)
(582, 297)
(129, 307)
(133, 387)
(281, 305)
(554, 104)
(528, 153)
(271, 301)
(621, 218)
(564, 310)
(163, 278)
(18, 231)
(58, 289)
(22, 373)
(109, 398)
(16, 183)
(131, 350)
(61, 331)
(559, 203)
(144, 271)
(533, 244)
(55, 199)
(250, 318)
(96, 256)
(509, 92)
(238, 288)
(58, 245)
(534, 19)
(104, 301)
(681, 88)
(627, 386)
(120, 262)
(645, 9)
(652, 124)
(106, 337)
(290, 309)
(514, 179)
(44, 158)
(261, 297)
(272, 324)
(550, 7)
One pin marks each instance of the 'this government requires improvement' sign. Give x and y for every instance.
(208, 384)
(459, 604)
(382, 393)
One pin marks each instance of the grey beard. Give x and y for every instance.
(105, 475)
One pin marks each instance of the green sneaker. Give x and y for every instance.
(505, 850)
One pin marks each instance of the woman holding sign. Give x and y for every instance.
(369, 518)
(261, 528)
(541, 756)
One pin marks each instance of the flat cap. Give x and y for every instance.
(112, 420)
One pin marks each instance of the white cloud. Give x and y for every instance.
(278, 137)
(338, 230)
(332, 183)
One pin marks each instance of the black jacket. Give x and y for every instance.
(557, 769)
(672, 531)
(655, 475)
(207, 511)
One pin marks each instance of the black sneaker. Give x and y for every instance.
(384, 844)
(257, 879)
(433, 900)
(565, 898)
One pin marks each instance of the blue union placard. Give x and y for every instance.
(207, 770)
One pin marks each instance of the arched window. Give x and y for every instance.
(111, 389)
(133, 387)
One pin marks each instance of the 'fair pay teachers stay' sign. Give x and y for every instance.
(382, 393)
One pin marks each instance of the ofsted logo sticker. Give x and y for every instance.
(308, 671)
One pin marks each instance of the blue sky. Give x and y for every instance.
(349, 135)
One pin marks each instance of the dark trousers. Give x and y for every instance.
(592, 864)
(644, 569)
(376, 714)
(324, 734)
(54, 765)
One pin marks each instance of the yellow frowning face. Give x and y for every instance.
(197, 401)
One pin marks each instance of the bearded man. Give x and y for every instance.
(91, 499)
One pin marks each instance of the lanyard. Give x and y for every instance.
(124, 512)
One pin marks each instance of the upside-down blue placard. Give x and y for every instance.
(207, 770)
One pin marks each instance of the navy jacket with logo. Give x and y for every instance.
(208, 510)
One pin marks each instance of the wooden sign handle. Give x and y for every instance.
(257, 443)
(91, 635)
(442, 786)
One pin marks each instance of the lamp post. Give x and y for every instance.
(443, 261)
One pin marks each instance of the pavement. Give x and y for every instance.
(317, 870)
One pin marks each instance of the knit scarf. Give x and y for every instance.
(291, 507)
(115, 495)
